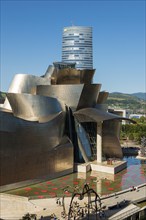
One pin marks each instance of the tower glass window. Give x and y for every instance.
(77, 46)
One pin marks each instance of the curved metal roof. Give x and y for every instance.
(34, 107)
(95, 115)
(25, 83)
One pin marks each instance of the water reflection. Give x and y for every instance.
(135, 173)
(103, 183)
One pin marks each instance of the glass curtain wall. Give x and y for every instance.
(77, 46)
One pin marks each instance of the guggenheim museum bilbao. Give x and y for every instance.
(49, 123)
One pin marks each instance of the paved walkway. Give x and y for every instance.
(14, 207)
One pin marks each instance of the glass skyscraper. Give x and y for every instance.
(77, 46)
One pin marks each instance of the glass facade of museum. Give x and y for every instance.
(77, 46)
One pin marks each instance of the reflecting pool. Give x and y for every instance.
(102, 183)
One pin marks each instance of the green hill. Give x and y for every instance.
(140, 95)
(130, 102)
(2, 97)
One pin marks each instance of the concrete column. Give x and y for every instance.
(99, 142)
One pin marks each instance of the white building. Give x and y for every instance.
(136, 115)
(122, 113)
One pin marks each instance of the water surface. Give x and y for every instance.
(102, 183)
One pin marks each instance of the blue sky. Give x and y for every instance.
(31, 39)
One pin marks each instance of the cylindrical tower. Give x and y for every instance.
(77, 46)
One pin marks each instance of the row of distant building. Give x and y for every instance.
(125, 113)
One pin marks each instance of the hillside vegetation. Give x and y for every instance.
(134, 132)
(140, 95)
(2, 97)
(126, 101)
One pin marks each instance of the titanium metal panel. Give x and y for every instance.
(101, 107)
(35, 165)
(7, 122)
(31, 134)
(95, 115)
(72, 76)
(33, 107)
(24, 83)
(86, 100)
(101, 101)
(31, 150)
(68, 94)
(102, 97)
(111, 142)
(74, 96)
(49, 72)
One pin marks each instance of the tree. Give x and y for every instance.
(142, 151)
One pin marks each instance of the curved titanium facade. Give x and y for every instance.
(68, 94)
(94, 115)
(75, 96)
(50, 122)
(25, 83)
(34, 107)
(102, 97)
(77, 46)
(71, 76)
(31, 150)
(111, 142)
